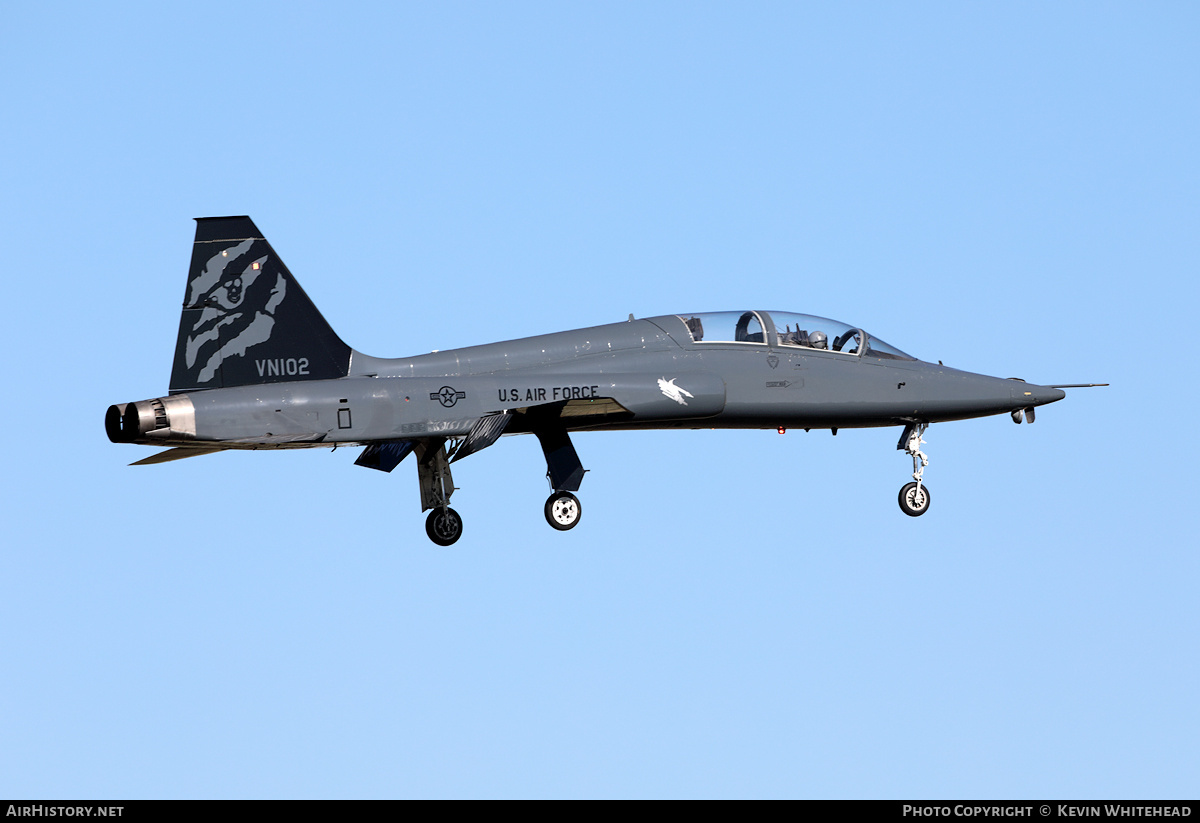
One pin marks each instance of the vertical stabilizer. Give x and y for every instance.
(245, 318)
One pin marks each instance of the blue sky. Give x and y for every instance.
(1011, 188)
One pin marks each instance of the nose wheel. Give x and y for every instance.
(914, 497)
(444, 526)
(563, 511)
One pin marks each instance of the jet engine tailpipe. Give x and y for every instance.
(164, 418)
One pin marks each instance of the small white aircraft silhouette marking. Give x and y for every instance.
(676, 393)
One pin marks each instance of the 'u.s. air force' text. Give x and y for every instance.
(542, 394)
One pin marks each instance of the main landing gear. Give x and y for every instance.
(914, 497)
(565, 474)
(444, 525)
(563, 511)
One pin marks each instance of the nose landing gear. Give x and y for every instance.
(914, 497)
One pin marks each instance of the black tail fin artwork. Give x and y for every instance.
(245, 318)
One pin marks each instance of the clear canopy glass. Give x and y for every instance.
(790, 329)
(807, 330)
(725, 327)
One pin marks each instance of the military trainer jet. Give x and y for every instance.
(257, 367)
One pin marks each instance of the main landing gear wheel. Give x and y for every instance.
(563, 510)
(914, 501)
(444, 526)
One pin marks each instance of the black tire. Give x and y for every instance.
(563, 511)
(910, 504)
(444, 526)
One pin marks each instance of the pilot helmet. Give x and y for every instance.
(818, 340)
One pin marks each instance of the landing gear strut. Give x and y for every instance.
(565, 473)
(914, 497)
(444, 526)
(563, 510)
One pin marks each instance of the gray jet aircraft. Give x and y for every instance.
(257, 367)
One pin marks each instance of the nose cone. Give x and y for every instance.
(1030, 394)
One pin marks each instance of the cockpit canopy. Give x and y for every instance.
(787, 329)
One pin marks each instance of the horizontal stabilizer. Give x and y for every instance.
(385, 456)
(173, 454)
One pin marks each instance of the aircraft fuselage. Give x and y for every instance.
(604, 377)
(257, 367)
